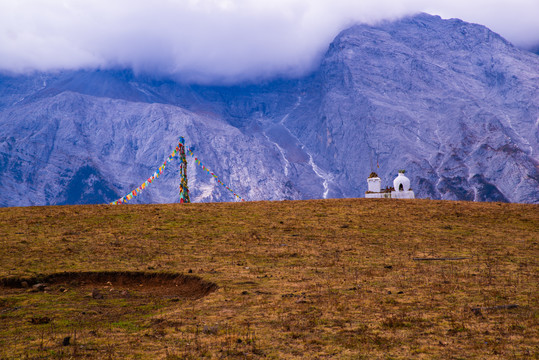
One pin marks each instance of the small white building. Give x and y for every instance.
(400, 190)
(375, 191)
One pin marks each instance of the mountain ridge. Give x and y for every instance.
(453, 103)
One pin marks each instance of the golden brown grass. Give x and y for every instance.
(332, 279)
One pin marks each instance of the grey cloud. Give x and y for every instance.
(215, 40)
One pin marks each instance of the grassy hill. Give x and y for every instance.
(332, 279)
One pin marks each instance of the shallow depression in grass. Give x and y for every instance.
(115, 282)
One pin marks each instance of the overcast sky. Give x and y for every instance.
(216, 40)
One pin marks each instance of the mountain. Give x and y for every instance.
(453, 103)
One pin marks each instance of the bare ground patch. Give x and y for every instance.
(114, 283)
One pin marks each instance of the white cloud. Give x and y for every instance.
(214, 40)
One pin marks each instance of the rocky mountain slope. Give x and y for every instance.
(453, 103)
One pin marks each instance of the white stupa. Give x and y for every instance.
(401, 188)
(401, 184)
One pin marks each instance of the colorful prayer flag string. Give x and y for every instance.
(184, 190)
(198, 162)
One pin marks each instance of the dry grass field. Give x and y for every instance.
(324, 279)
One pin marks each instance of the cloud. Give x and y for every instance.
(216, 40)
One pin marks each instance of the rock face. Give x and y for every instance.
(453, 103)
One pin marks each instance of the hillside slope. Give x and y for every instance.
(339, 279)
